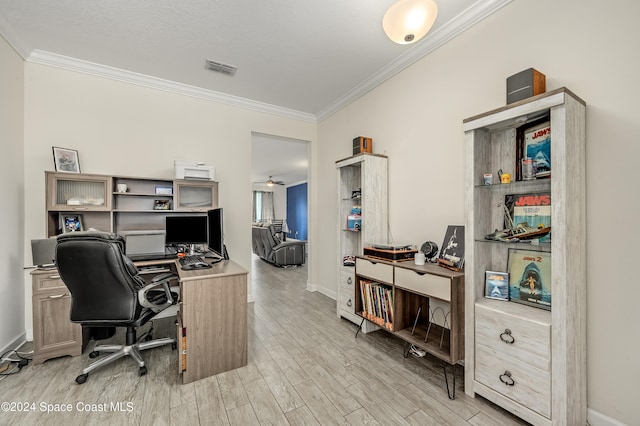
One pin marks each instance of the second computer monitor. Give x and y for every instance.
(216, 231)
(186, 230)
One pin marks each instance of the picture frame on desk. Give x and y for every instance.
(452, 253)
(66, 160)
(71, 222)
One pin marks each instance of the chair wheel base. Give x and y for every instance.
(82, 378)
(142, 371)
(148, 338)
(94, 354)
(174, 346)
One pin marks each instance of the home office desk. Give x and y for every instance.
(211, 320)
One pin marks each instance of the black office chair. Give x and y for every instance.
(106, 291)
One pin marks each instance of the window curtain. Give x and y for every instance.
(263, 208)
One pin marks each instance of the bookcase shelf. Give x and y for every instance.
(424, 298)
(366, 173)
(542, 360)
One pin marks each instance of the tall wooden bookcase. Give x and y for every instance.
(530, 361)
(366, 173)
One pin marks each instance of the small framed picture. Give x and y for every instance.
(496, 285)
(66, 160)
(164, 190)
(71, 222)
(162, 205)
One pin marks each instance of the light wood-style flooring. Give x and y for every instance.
(305, 368)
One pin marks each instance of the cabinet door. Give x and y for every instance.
(53, 332)
(80, 192)
(195, 196)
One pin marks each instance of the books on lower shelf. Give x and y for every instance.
(377, 303)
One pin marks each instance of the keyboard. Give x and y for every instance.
(193, 262)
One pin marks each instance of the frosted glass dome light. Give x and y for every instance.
(407, 21)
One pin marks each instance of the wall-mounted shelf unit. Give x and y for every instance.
(103, 207)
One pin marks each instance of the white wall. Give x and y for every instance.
(416, 119)
(123, 129)
(12, 293)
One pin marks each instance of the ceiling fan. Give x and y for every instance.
(271, 182)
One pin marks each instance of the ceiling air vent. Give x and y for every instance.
(220, 67)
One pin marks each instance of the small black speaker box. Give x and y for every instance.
(362, 144)
(525, 84)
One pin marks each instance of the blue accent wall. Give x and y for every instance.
(297, 219)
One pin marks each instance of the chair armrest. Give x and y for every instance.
(160, 281)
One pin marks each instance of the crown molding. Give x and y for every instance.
(465, 20)
(90, 68)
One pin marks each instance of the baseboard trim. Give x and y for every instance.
(322, 290)
(15, 343)
(595, 418)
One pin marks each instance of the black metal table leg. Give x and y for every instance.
(359, 328)
(451, 393)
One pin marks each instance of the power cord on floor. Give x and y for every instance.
(12, 365)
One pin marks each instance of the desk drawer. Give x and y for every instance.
(347, 302)
(427, 284)
(530, 387)
(374, 270)
(527, 342)
(48, 281)
(347, 291)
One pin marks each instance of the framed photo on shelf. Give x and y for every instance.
(66, 160)
(164, 190)
(71, 222)
(162, 205)
(530, 277)
(496, 285)
(534, 143)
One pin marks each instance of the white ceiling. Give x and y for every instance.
(283, 159)
(300, 58)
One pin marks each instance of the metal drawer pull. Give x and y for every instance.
(506, 378)
(54, 277)
(507, 337)
(420, 273)
(81, 208)
(57, 297)
(349, 280)
(349, 302)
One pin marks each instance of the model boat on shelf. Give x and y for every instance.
(520, 232)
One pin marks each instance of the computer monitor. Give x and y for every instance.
(186, 230)
(216, 232)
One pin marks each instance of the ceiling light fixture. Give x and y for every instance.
(407, 21)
